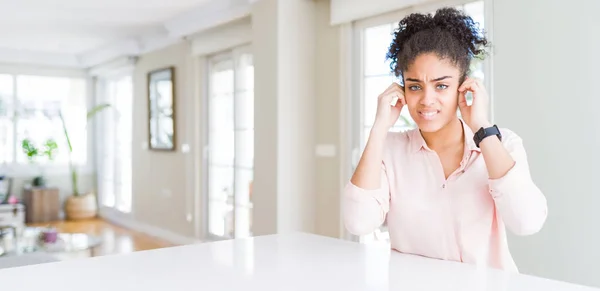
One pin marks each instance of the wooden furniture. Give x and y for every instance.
(41, 204)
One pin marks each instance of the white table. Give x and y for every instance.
(279, 262)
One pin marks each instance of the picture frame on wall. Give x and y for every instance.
(161, 109)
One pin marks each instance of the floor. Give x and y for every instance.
(115, 239)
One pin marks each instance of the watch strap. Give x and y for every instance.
(483, 133)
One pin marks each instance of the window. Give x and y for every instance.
(231, 144)
(375, 76)
(29, 109)
(7, 98)
(115, 143)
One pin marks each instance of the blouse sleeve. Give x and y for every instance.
(520, 203)
(364, 210)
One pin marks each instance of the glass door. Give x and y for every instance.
(230, 144)
(115, 143)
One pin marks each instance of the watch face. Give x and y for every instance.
(481, 133)
(485, 132)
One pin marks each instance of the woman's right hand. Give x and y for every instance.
(389, 105)
(367, 174)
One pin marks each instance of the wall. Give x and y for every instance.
(289, 109)
(328, 129)
(284, 58)
(545, 75)
(226, 36)
(293, 189)
(351, 10)
(284, 195)
(265, 46)
(162, 182)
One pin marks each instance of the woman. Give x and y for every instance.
(448, 189)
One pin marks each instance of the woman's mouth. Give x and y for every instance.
(428, 114)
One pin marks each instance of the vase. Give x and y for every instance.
(49, 236)
(81, 207)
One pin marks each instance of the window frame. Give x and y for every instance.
(24, 170)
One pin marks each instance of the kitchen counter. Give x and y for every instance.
(277, 262)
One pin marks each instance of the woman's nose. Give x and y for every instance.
(428, 97)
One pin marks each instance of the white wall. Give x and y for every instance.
(328, 127)
(284, 59)
(265, 48)
(162, 180)
(351, 10)
(296, 115)
(546, 73)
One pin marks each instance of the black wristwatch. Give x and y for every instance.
(485, 132)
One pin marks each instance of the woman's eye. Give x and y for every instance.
(414, 88)
(442, 87)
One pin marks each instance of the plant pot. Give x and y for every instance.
(49, 235)
(39, 181)
(81, 207)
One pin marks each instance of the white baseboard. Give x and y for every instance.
(130, 223)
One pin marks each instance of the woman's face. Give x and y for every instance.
(431, 92)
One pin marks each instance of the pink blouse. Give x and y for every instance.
(462, 218)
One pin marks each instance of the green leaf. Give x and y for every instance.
(50, 148)
(96, 109)
(62, 119)
(74, 175)
(29, 149)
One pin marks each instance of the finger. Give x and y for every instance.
(392, 92)
(463, 84)
(462, 99)
(391, 88)
(393, 96)
(403, 96)
(401, 101)
(466, 85)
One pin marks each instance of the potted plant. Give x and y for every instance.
(32, 152)
(80, 205)
(50, 148)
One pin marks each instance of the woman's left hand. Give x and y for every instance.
(474, 115)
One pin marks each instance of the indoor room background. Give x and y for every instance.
(272, 102)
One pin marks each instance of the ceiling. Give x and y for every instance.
(73, 29)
